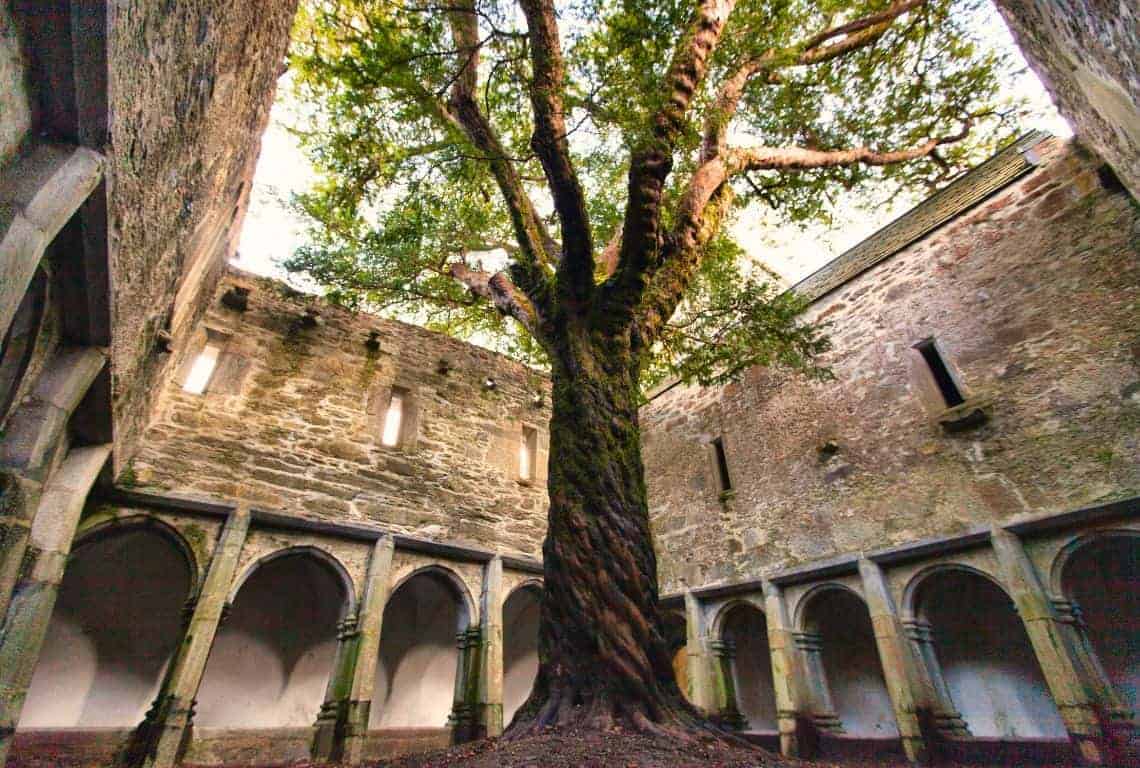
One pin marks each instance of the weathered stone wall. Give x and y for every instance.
(1034, 300)
(1087, 52)
(293, 417)
(15, 109)
(191, 84)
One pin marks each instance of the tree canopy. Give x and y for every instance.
(482, 161)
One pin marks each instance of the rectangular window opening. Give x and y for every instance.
(946, 385)
(722, 477)
(528, 443)
(202, 370)
(393, 419)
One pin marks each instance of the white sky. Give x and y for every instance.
(271, 231)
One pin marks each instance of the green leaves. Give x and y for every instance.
(403, 193)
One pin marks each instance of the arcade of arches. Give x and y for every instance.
(212, 548)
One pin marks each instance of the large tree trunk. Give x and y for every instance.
(604, 661)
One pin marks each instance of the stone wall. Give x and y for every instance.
(15, 110)
(1087, 52)
(191, 84)
(1032, 299)
(293, 416)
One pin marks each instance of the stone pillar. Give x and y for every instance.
(491, 673)
(897, 663)
(1115, 715)
(464, 716)
(369, 623)
(328, 735)
(723, 654)
(787, 675)
(935, 694)
(702, 692)
(163, 736)
(1047, 637)
(29, 612)
(822, 709)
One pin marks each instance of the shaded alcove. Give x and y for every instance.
(419, 658)
(985, 657)
(521, 614)
(852, 671)
(273, 655)
(746, 627)
(116, 624)
(1101, 578)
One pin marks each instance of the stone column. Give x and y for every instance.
(463, 718)
(787, 675)
(328, 734)
(1048, 640)
(723, 653)
(935, 693)
(1115, 715)
(823, 715)
(702, 692)
(894, 655)
(163, 736)
(369, 623)
(491, 673)
(29, 612)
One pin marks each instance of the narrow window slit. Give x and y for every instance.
(528, 442)
(942, 377)
(723, 478)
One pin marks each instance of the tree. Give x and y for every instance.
(569, 171)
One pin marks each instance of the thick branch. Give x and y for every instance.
(650, 164)
(855, 35)
(896, 10)
(576, 270)
(535, 242)
(501, 292)
(705, 200)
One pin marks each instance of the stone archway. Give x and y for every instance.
(273, 655)
(521, 613)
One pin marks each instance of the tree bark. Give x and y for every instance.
(603, 656)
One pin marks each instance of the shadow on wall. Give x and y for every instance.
(755, 692)
(521, 613)
(115, 625)
(986, 659)
(272, 658)
(851, 664)
(415, 679)
(1102, 578)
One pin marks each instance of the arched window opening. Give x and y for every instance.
(747, 630)
(419, 658)
(273, 656)
(1101, 579)
(20, 342)
(986, 659)
(116, 624)
(841, 641)
(521, 613)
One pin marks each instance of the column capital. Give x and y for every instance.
(811, 642)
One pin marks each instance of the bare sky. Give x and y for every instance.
(272, 231)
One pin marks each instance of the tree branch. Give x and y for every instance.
(576, 268)
(498, 289)
(855, 35)
(708, 195)
(650, 164)
(536, 245)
